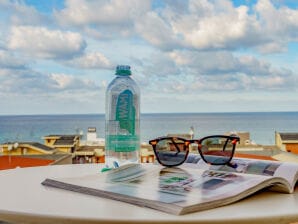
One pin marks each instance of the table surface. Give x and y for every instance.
(24, 199)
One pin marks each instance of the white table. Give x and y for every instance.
(24, 199)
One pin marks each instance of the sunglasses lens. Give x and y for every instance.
(171, 152)
(217, 150)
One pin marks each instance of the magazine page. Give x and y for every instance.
(174, 190)
(288, 171)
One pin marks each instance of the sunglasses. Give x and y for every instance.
(214, 150)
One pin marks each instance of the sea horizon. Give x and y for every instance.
(145, 113)
(261, 125)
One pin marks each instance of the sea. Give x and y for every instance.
(261, 125)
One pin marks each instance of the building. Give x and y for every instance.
(244, 138)
(92, 139)
(11, 162)
(29, 154)
(25, 148)
(180, 135)
(91, 134)
(287, 141)
(63, 143)
(146, 153)
(89, 154)
(91, 150)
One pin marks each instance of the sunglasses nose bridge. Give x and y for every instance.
(153, 142)
(234, 141)
(187, 143)
(193, 145)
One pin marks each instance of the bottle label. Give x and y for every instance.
(125, 112)
(125, 138)
(123, 143)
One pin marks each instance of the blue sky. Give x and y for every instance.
(57, 57)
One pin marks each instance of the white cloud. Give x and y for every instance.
(32, 84)
(105, 18)
(216, 71)
(93, 60)
(225, 62)
(44, 43)
(203, 25)
(191, 24)
(66, 82)
(156, 31)
(213, 62)
(160, 65)
(82, 12)
(273, 82)
(224, 28)
(219, 25)
(29, 92)
(272, 47)
(177, 49)
(9, 61)
(279, 26)
(277, 21)
(18, 13)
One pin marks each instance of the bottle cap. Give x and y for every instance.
(123, 70)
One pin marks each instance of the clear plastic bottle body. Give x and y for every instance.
(122, 132)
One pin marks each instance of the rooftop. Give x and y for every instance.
(89, 147)
(36, 145)
(11, 162)
(289, 136)
(63, 139)
(60, 136)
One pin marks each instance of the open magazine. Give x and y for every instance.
(187, 188)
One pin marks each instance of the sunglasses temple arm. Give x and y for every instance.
(232, 165)
(175, 144)
(225, 145)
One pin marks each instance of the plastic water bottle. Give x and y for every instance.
(122, 134)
